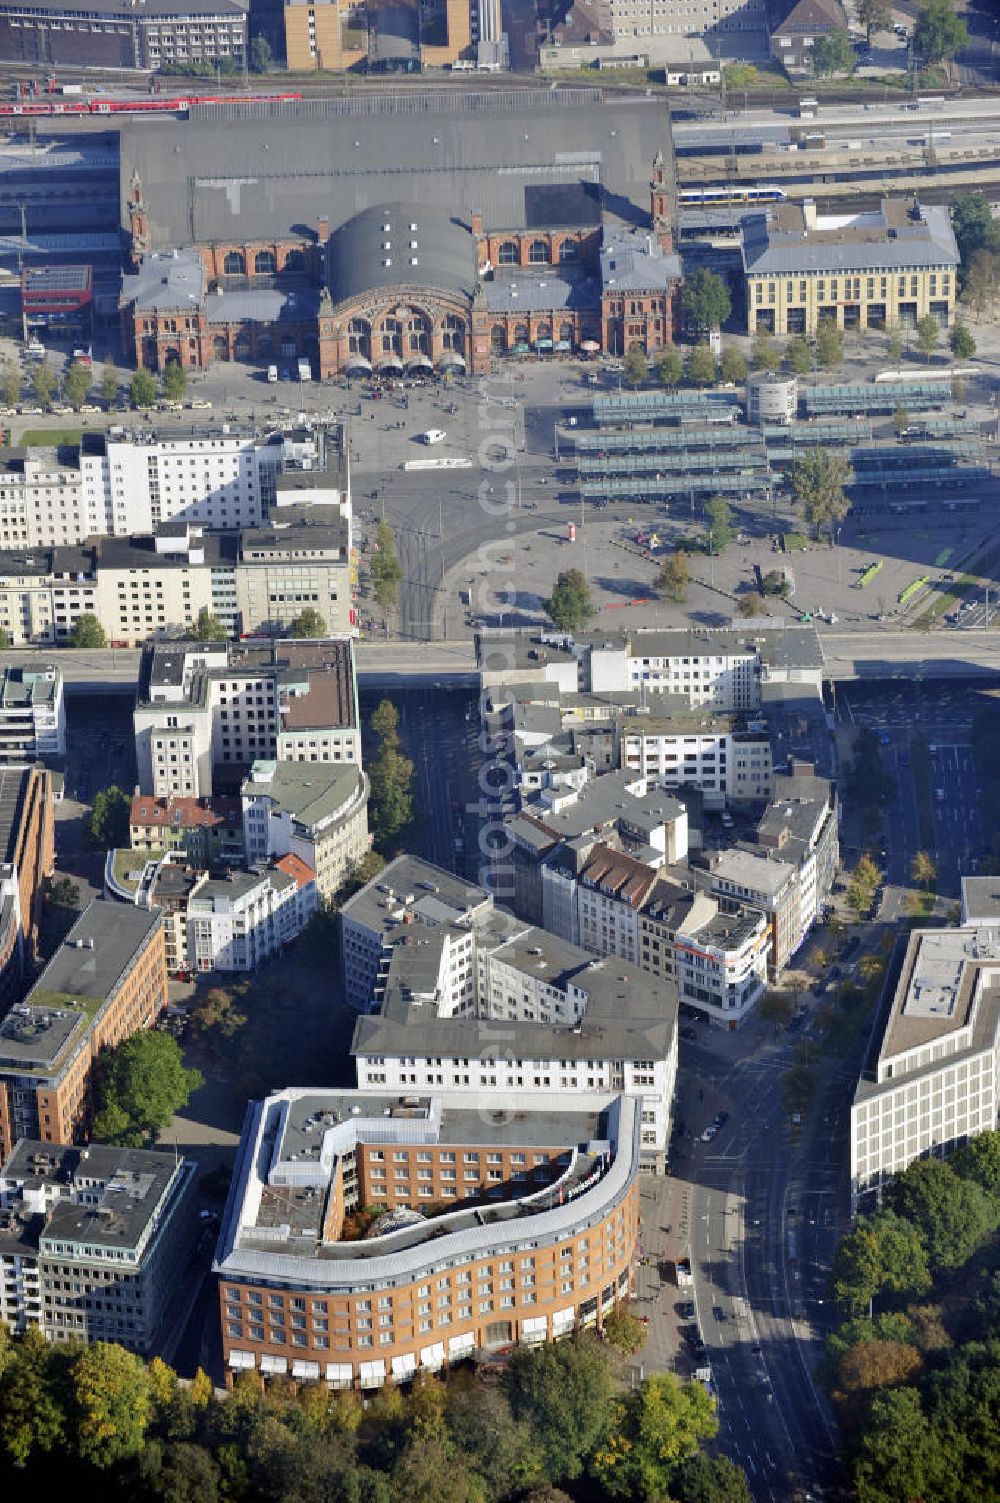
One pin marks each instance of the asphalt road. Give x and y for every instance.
(766, 1204)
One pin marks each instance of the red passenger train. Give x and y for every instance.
(151, 104)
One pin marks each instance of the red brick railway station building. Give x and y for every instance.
(440, 235)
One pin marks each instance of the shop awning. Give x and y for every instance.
(452, 358)
(357, 363)
(419, 363)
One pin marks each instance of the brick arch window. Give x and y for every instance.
(220, 347)
(265, 262)
(521, 335)
(538, 253)
(508, 254)
(235, 264)
(295, 261)
(566, 332)
(569, 251)
(498, 337)
(359, 337)
(453, 333)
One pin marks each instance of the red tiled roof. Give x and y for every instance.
(184, 813)
(293, 866)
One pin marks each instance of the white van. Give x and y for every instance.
(433, 436)
(305, 371)
(272, 373)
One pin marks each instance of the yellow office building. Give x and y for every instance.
(882, 269)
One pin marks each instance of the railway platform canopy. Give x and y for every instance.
(872, 399)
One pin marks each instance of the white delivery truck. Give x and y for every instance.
(305, 371)
(272, 373)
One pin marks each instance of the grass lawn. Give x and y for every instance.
(795, 542)
(35, 438)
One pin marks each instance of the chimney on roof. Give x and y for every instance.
(477, 225)
(323, 228)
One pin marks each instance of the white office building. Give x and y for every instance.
(933, 1083)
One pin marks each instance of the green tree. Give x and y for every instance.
(217, 1013)
(65, 893)
(31, 1412)
(733, 365)
(656, 1429)
(764, 353)
(141, 1084)
(635, 367)
(569, 606)
(953, 1214)
(981, 282)
(899, 1456)
(939, 33)
(386, 570)
(974, 225)
(208, 628)
(77, 385)
(308, 623)
(43, 383)
(261, 56)
(674, 575)
(109, 385)
(928, 333)
(564, 1393)
(10, 386)
(861, 887)
(107, 823)
(391, 776)
(901, 421)
(873, 15)
(624, 1331)
(740, 75)
(894, 344)
(961, 342)
(87, 632)
(818, 478)
(174, 381)
(702, 368)
(178, 1471)
(482, 1427)
(867, 1368)
(775, 582)
(385, 722)
(705, 301)
(922, 870)
(111, 1394)
(979, 1160)
(142, 389)
(832, 53)
(670, 369)
(798, 353)
(752, 604)
(881, 1254)
(720, 529)
(777, 1008)
(711, 1479)
(829, 343)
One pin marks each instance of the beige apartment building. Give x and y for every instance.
(884, 268)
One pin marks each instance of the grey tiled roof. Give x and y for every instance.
(634, 260)
(531, 164)
(534, 290)
(776, 241)
(170, 280)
